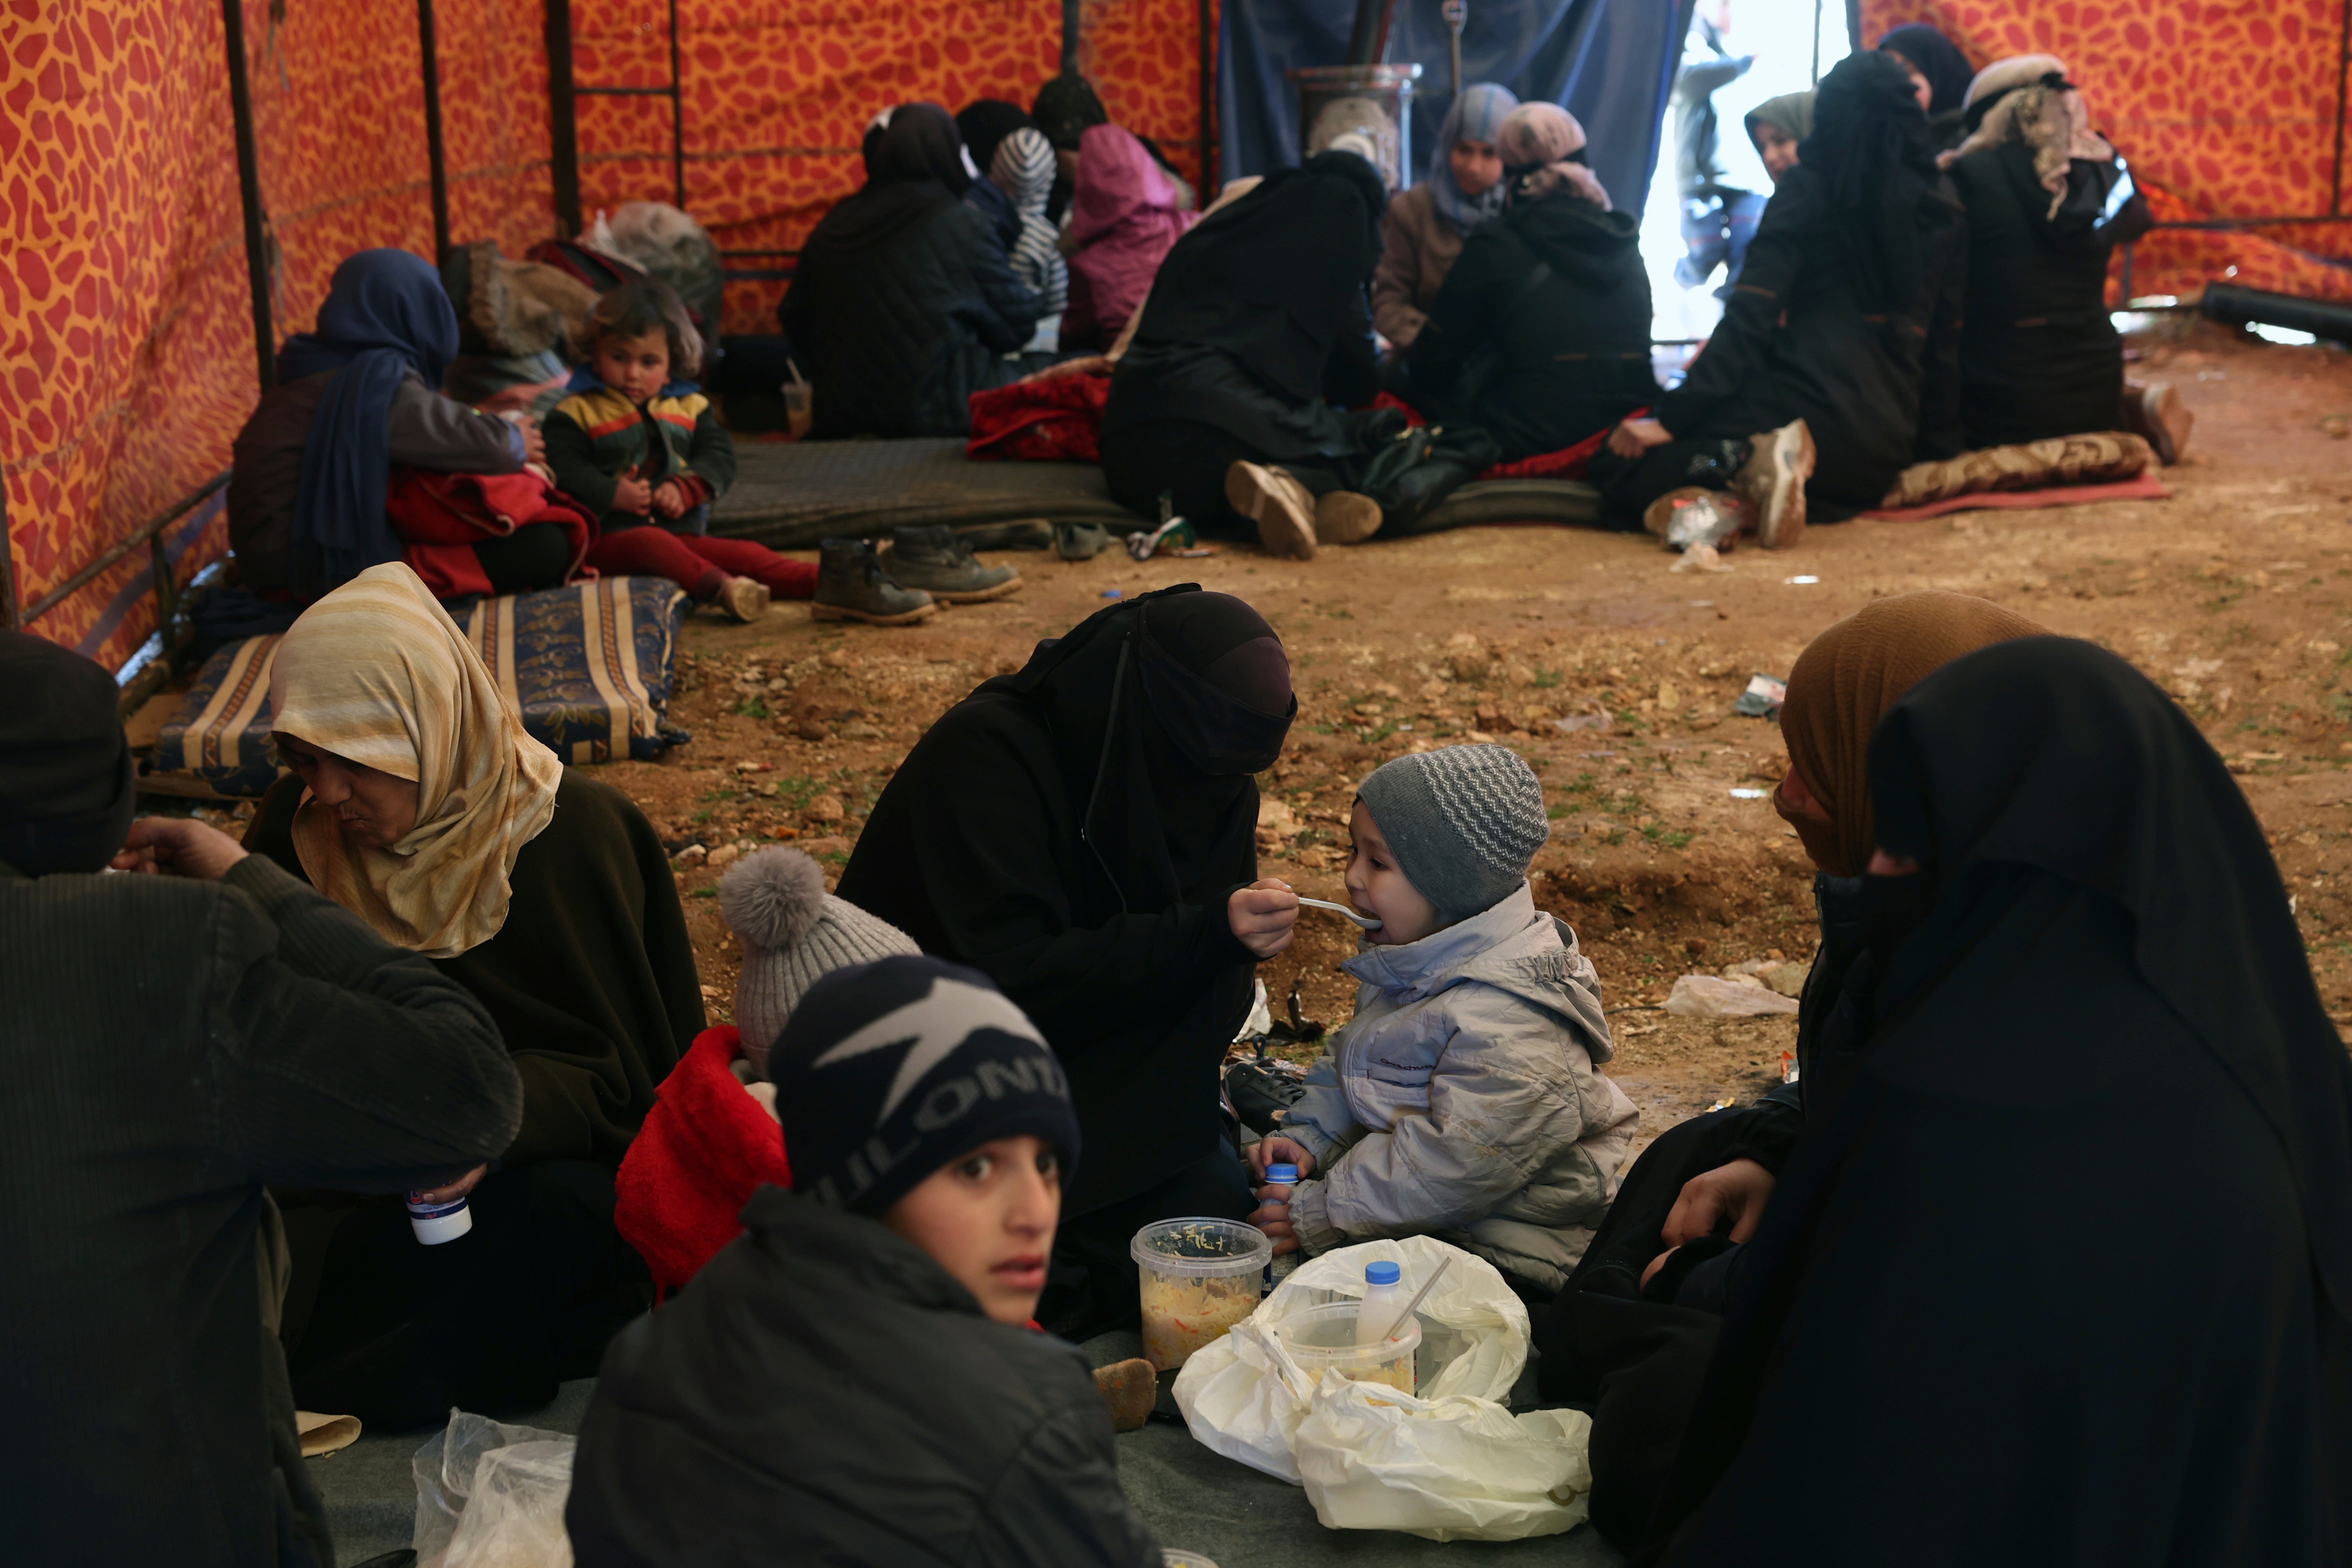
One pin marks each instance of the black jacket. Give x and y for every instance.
(1542, 365)
(2040, 356)
(1879, 392)
(427, 429)
(824, 1392)
(166, 1048)
(897, 337)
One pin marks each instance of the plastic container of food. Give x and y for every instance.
(1199, 1278)
(1323, 1338)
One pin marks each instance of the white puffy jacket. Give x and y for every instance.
(1463, 1101)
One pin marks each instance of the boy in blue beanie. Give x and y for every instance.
(856, 1379)
(1463, 1100)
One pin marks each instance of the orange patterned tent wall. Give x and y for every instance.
(2227, 108)
(126, 345)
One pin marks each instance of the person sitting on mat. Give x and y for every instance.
(856, 1378)
(648, 455)
(1422, 231)
(356, 396)
(1464, 1100)
(418, 802)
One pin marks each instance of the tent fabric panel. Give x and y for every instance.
(1144, 59)
(124, 328)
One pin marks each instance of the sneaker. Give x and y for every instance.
(1282, 508)
(851, 585)
(932, 558)
(1343, 516)
(1773, 483)
(742, 598)
(2157, 414)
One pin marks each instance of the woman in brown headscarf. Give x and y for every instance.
(1671, 1242)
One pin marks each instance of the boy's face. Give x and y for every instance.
(1377, 887)
(988, 1219)
(637, 368)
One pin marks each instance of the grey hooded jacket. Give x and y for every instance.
(1463, 1101)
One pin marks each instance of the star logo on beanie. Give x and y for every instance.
(932, 1028)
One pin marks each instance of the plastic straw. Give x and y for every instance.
(1406, 1316)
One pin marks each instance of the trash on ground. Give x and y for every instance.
(1764, 697)
(1570, 723)
(1703, 520)
(1785, 975)
(1712, 996)
(1801, 581)
(490, 1494)
(1700, 558)
(1749, 793)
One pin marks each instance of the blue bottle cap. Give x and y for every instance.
(1380, 1273)
(1282, 1175)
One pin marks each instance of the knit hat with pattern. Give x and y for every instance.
(793, 932)
(1464, 822)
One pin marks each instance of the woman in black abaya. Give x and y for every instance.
(1084, 832)
(2088, 1303)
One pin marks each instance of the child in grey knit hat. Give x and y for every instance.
(1464, 1099)
(794, 933)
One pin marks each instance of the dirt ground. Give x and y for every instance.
(2236, 594)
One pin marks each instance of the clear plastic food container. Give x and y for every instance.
(1199, 1278)
(1323, 1338)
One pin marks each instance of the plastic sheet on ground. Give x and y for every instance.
(1710, 996)
(1239, 1402)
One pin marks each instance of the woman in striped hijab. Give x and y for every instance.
(1022, 168)
(417, 800)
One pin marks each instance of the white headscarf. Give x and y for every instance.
(2031, 101)
(377, 673)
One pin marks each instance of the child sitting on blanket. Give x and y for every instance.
(856, 1379)
(1462, 1101)
(648, 455)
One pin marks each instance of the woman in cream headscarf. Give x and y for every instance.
(418, 802)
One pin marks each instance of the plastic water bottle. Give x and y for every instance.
(1383, 1300)
(437, 1223)
(1285, 1263)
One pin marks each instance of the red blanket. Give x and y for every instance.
(1060, 419)
(705, 1147)
(1056, 419)
(439, 517)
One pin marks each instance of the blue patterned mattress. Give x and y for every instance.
(588, 667)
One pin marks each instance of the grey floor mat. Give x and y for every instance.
(1190, 1496)
(789, 495)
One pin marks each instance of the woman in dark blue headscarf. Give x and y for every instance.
(355, 396)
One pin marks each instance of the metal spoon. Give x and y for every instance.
(1367, 921)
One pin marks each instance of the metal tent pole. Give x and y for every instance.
(563, 119)
(435, 158)
(676, 112)
(248, 191)
(1208, 101)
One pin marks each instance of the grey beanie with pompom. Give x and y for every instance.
(794, 933)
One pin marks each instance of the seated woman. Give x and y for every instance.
(418, 802)
(1669, 1249)
(1021, 169)
(2048, 201)
(1776, 126)
(1425, 227)
(1084, 832)
(355, 398)
(1970, 1315)
(903, 305)
(1939, 75)
(1258, 325)
(1123, 220)
(1841, 338)
(1541, 334)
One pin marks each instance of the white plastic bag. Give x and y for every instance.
(515, 1518)
(1474, 1341)
(449, 1470)
(1454, 1468)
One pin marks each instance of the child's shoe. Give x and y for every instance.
(851, 585)
(935, 559)
(742, 598)
(1773, 481)
(1343, 516)
(1283, 509)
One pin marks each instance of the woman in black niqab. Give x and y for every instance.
(2064, 1277)
(1075, 831)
